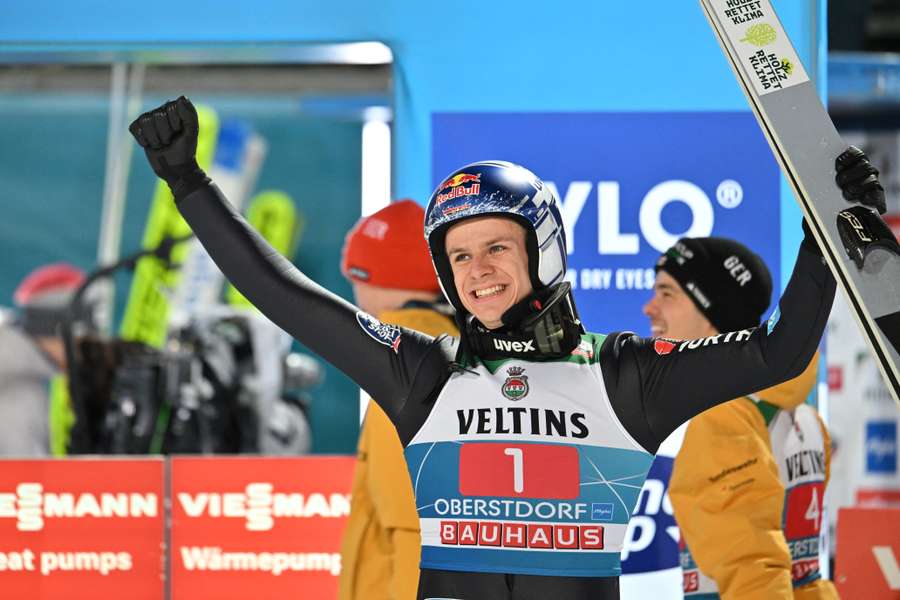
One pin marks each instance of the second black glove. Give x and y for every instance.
(858, 179)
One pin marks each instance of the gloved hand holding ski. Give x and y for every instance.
(860, 228)
(168, 135)
(858, 179)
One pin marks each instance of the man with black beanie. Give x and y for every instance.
(728, 285)
(748, 482)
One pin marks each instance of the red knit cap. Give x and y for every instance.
(44, 299)
(388, 249)
(50, 284)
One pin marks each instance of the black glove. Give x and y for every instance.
(858, 179)
(168, 135)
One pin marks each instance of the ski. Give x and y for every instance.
(865, 262)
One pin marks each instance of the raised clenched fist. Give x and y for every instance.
(168, 135)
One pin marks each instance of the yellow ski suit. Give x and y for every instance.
(746, 489)
(381, 545)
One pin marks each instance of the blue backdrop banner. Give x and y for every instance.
(651, 541)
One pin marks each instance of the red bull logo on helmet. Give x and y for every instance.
(458, 188)
(461, 178)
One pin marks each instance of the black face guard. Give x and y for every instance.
(543, 325)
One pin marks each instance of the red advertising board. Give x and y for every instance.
(258, 527)
(867, 564)
(81, 528)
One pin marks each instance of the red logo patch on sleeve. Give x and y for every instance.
(663, 346)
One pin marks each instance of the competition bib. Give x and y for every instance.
(524, 468)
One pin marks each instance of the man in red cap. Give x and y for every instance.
(33, 357)
(386, 259)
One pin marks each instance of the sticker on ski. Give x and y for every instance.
(757, 38)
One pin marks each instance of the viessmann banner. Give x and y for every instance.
(258, 527)
(238, 528)
(630, 185)
(81, 528)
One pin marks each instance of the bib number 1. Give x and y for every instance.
(518, 468)
(545, 471)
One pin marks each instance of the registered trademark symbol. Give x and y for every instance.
(729, 193)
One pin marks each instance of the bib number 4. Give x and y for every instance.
(803, 511)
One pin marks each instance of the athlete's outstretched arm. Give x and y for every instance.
(656, 385)
(664, 383)
(384, 360)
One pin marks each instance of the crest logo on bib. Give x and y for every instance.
(516, 385)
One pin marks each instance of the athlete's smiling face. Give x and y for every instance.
(673, 314)
(490, 266)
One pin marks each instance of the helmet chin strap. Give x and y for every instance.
(543, 325)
